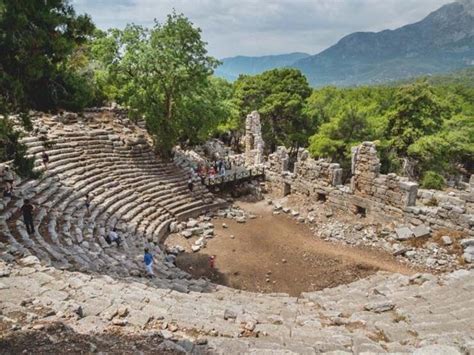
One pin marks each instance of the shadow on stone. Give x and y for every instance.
(59, 338)
(197, 264)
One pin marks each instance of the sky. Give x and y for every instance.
(263, 27)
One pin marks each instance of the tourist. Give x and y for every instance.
(148, 260)
(222, 171)
(45, 158)
(8, 178)
(88, 204)
(212, 261)
(190, 185)
(212, 172)
(7, 193)
(114, 237)
(27, 210)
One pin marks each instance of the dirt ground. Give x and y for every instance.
(276, 254)
(57, 338)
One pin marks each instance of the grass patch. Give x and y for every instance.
(456, 236)
(418, 242)
(378, 336)
(398, 317)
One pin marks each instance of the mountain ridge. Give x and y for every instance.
(232, 67)
(441, 42)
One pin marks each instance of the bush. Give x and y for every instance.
(11, 149)
(432, 180)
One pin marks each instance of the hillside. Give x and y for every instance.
(232, 67)
(463, 77)
(442, 42)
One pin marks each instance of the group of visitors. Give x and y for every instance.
(210, 170)
(216, 168)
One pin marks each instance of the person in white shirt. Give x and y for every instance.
(114, 237)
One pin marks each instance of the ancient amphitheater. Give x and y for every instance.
(65, 290)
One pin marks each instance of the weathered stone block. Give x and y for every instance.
(403, 233)
(421, 231)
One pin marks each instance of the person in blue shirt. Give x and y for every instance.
(148, 259)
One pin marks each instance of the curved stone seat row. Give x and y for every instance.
(129, 189)
(384, 313)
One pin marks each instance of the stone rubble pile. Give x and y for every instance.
(440, 256)
(389, 198)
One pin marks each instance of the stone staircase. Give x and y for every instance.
(130, 189)
(385, 313)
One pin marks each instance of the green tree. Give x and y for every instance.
(36, 40)
(335, 138)
(416, 112)
(164, 75)
(279, 96)
(449, 151)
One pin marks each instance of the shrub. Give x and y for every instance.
(432, 180)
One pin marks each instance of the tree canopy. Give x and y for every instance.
(279, 95)
(53, 59)
(36, 40)
(418, 127)
(164, 74)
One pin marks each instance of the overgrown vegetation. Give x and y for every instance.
(432, 180)
(37, 43)
(418, 127)
(54, 59)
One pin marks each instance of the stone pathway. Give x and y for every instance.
(383, 313)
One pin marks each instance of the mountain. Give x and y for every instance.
(232, 67)
(463, 77)
(441, 42)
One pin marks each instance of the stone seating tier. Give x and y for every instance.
(129, 189)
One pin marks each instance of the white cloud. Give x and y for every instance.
(259, 27)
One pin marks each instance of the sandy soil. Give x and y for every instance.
(276, 254)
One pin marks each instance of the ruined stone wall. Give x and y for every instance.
(253, 140)
(367, 181)
(323, 172)
(278, 161)
(390, 197)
